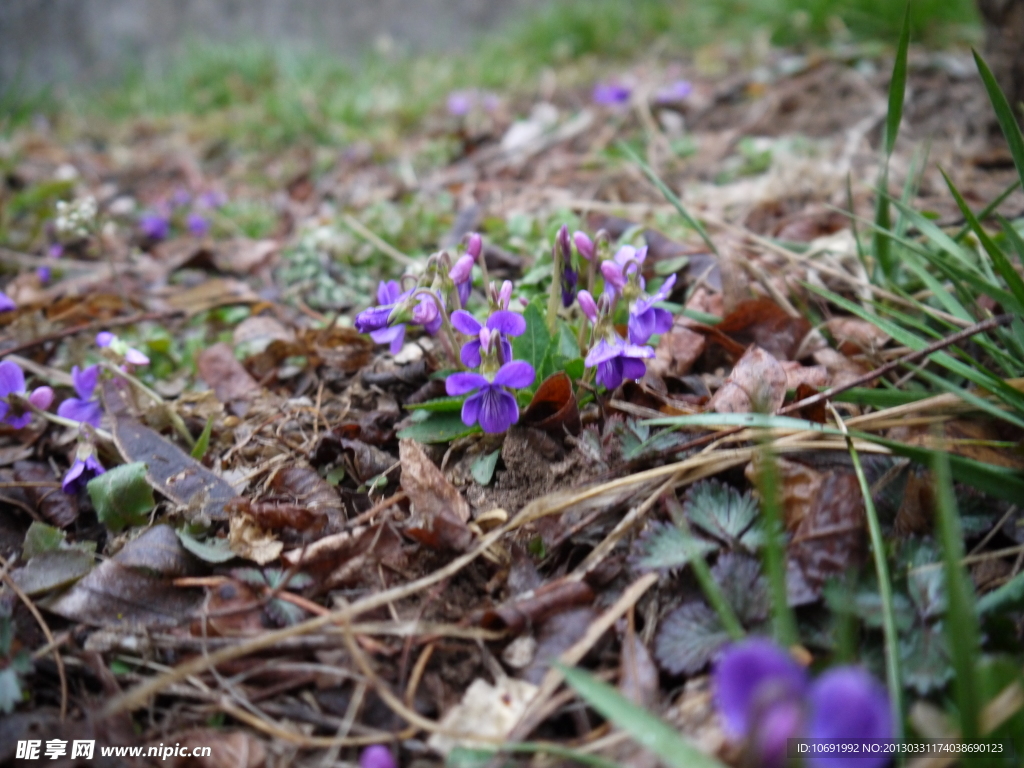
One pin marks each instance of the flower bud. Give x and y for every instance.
(41, 397)
(564, 243)
(475, 245)
(505, 294)
(584, 245)
(463, 269)
(588, 305)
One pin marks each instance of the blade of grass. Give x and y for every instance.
(988, 210)
(892, 648)
(784, 620)
(961, 621)
(1004, 114)
(669, 195)
(646, 728)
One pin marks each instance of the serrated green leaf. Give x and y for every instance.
(212, 550)
(688, 639)
(646, 728)
(203, 443)
(438, 428)
(483, 468)
(1004, 114)
(533, 344)
(743, 584)
(924, 660)
(439, 405)
(723, 512)
(40, 538)
(121, 496)
(665, 547)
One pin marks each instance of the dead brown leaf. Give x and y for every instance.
(225, 375)
(766, 324)
(54, 506)
(439, 512)
(757, 384)
(553, 407)
(228, 749)
(676, 352)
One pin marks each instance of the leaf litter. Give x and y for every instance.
(369, 566)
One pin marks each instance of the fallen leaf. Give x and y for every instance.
(855, 336)
(54, 506)
(553, 407)
(212, 293)
(228, 749)
(243, 256)
(766, 324)
(50, 570)
(439, 512)
(533, 608)
(134, 586)
(638, 680)
(227, 377)
(815, 376)
(676, 352)
(486, 712)
(841, 369)
(249, 540)
(757, 384)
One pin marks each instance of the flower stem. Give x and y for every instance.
(176, 420)
(555, 292)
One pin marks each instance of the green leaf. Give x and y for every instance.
(743, 585)
(562, 349)
(533, 344)
(438, 428)
(689, 638)
(723, 512)
(212, 550)
(439, 405)
(203, 443)
(880, 398)
(1004, 114)
(483, 468)
(10, 690)
(39, 538)
(664, 546)
(924, 659)
(897, 86)
(1009, 595)
(751, 420)
(50, 570)
(647, 729)
(121, 496)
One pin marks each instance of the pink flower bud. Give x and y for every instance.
(505, 294)
(584, 245)
(588, 305)
(475, 245)
(485, 339)
(462, 270)
(41, 397)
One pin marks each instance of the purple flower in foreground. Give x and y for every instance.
(506, 323)
(154, 226)
(645, 319)
(617, 360)
(84, 407)
(611, 94)
(374, 320)
(6, 303)
(377, 756)
(85, 468)
(674, 92)
(12, 382)
(616, 270)
(131, 355)
(493, 406)
(584, 245)
(764, 695)
(197, 225)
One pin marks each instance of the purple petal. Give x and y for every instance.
(470, 353)
(751, 674)
(85, 380)
(41, 397)
(662, 320)
(464, 289)
(641, 327)
(516, 374)
(88, 411)
(632, 369)
(666, 289)
(474, 245)
(377, 756)
(498, 410)
(471, 409)
(636, 350)
(611, 94)
(588, 305)
(197, 225)
(388, 292)
(465, 323)
(613, 274)
(603, 351)
(509, 323)
(19, 422)
(781, 721)
(609, 374)
(461, 383)
(104, 338)
(505, 294)
(584, 245)
(460, 102)
(674, 92)
(848, 703)
(68, 484)
(6, 303)
(135, 357)
(12, 380)
(372, 319)
(462, 270)
(394, 335)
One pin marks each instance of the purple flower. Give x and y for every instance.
(588, 305)
(12, 382)
(55, 251)
(377, 756)
(762, 694)
(154, 226)
(617, 269)
(474, 245)
(674, 92)
(84, 407)
(503, 321)
(6, 303)
(85, 468)
(375, 319)
(584, 245)
(493, 406)
(617, 360)
(645, 319)
(611, 94)
(197, 225)
(211, 200)
(43, 273)
(180, 198)
(130, 354)
(462, 275)
(460, 102)
(427, 314)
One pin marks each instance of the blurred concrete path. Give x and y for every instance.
(67, 41)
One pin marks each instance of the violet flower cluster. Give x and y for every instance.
(13, 396)
(765, 697)
(181, 210)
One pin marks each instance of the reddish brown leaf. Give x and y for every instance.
(814, 412)
(54, 506)
(676, 352)
(757, 384)
(228, 749)
(766, 324)
(224, 374)
(528, 610)
(553, 407)
(854, 336)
